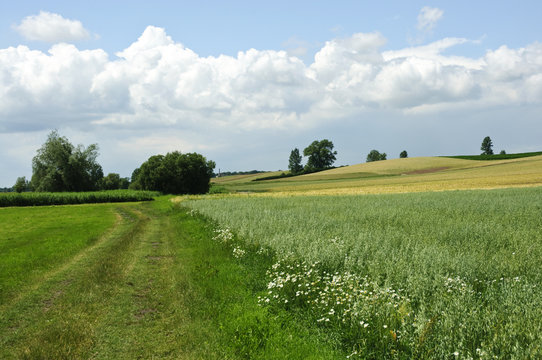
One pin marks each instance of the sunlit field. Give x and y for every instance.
(421, 275)
(405, 175)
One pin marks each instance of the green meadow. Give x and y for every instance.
(136, 280)
(422, 258)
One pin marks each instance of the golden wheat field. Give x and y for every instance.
(399, 176)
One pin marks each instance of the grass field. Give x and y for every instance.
(136, 280)
(427, 275)
(404, 175)
(371, 261)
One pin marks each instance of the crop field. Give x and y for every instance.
(65, 198)
(359, 262)
(437, 275)
(405, 175)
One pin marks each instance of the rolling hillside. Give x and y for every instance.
(402, 175)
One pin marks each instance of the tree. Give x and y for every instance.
(21, 185)
(59, 166)
(124, 183)
(503, 152)
(110, 182)
(294, 163)
(175, 173)
(374, 155)
(487, 146)
(321, 155)
(403, 154)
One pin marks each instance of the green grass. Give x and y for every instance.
(39, 239)
(65, 198)
(138, 280)
(465, 266)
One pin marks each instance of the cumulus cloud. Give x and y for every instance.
(428, 18)
(157, 95)
(157, 82)
(51, 28)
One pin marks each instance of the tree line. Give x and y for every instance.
(59, 166)
(321, 157)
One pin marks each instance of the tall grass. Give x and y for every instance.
(434, 275)
(66, 198)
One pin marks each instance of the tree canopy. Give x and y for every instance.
(294, 164)
(321, 155)
(21, 185)
(60, 166)
(375, 155)
(113, 181)
(487, 146)
(403, 154)
(174, 173)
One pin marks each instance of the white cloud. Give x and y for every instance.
(157, 95)
(428, 18)
(157, 82)
(51, 28)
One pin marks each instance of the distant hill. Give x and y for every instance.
(401, 175)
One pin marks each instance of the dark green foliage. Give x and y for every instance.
(502, 152)
(403, 154)
(294, 163)
(487, 146)
(21, 185)
(321, 155)
(229, 173)
(497, 156)
(113, 182)
(175, 173)
(66, 198)
(60, 166)
(374, 155)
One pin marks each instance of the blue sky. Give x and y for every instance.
(140, 78)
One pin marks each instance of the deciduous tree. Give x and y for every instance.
(21, 185)
(321, 155)
(60, 166)
(175, 173)
(487, 146)
(294, 163)
(375, 155)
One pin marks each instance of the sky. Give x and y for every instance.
(245, 82)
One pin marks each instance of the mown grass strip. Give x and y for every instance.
(67, 198)
(37, 241)
(157, 286)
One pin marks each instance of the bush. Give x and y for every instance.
(175, 173)
(374, 155)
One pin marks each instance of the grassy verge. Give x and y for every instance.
(153, 285)
(66, 198)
